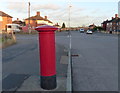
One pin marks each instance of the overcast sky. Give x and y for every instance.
(83, 12)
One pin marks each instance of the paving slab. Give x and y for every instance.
(33, 84)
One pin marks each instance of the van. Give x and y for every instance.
(13, 28)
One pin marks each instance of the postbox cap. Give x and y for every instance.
(46, 28)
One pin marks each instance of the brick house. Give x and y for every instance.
(21, 23)
(4, 19)
(109, 26)
(112, 25)
(91, 27)
(118, 25)
(104, 24)
(37, 20)
(57, 25)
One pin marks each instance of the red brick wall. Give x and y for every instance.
(6, 20)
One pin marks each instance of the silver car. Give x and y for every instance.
(89, 32)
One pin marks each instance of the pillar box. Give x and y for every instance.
(47, 56)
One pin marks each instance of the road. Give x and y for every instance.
(95, 69)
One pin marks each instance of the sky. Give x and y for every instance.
(82, 12)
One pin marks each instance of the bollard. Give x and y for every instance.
(47, 56)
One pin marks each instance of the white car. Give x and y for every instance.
(89, 32)
(82, 30)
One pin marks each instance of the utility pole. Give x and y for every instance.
(29, 18)
(70, 56)
(69, 21)
(70, 46)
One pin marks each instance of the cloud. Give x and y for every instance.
(45, 6)
(80, 20)
(62, 0)
(96, 11)
(60, 13)
(17, 6)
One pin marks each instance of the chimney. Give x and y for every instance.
(116, 15)
(45, 17)
(38, 13)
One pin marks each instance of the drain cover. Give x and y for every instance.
(75, 55)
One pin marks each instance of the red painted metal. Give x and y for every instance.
(45, 28)
(47, 50)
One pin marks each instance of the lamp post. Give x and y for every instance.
(29, 18)
(70, 55)
(70, 27)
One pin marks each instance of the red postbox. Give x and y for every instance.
(47, 56)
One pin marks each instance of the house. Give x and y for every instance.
(37, 20)
(104, 25)
(4, 19)
(92, 26)
(109, 26)
(118, 25)
(112, 25)
(21, 23)
(57, 25)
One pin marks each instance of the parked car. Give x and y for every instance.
(13, 28)
(82, 30)
(89, 32)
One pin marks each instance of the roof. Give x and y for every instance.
(109, 21)
(47, 20)
(92, 25)
(50, 21)
(4, 14)
(104, 22)
(56, 25)
(17, 22)
(38, 17)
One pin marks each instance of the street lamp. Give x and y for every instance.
(70, 55)
(29, 17)
(69, 21)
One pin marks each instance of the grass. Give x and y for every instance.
(1, 40)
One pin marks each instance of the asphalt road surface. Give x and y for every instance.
(96, 67)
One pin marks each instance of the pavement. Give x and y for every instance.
(21, 66)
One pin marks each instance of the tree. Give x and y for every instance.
(97, 28)
(63, 25)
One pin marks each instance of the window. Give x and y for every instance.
(9, 27)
